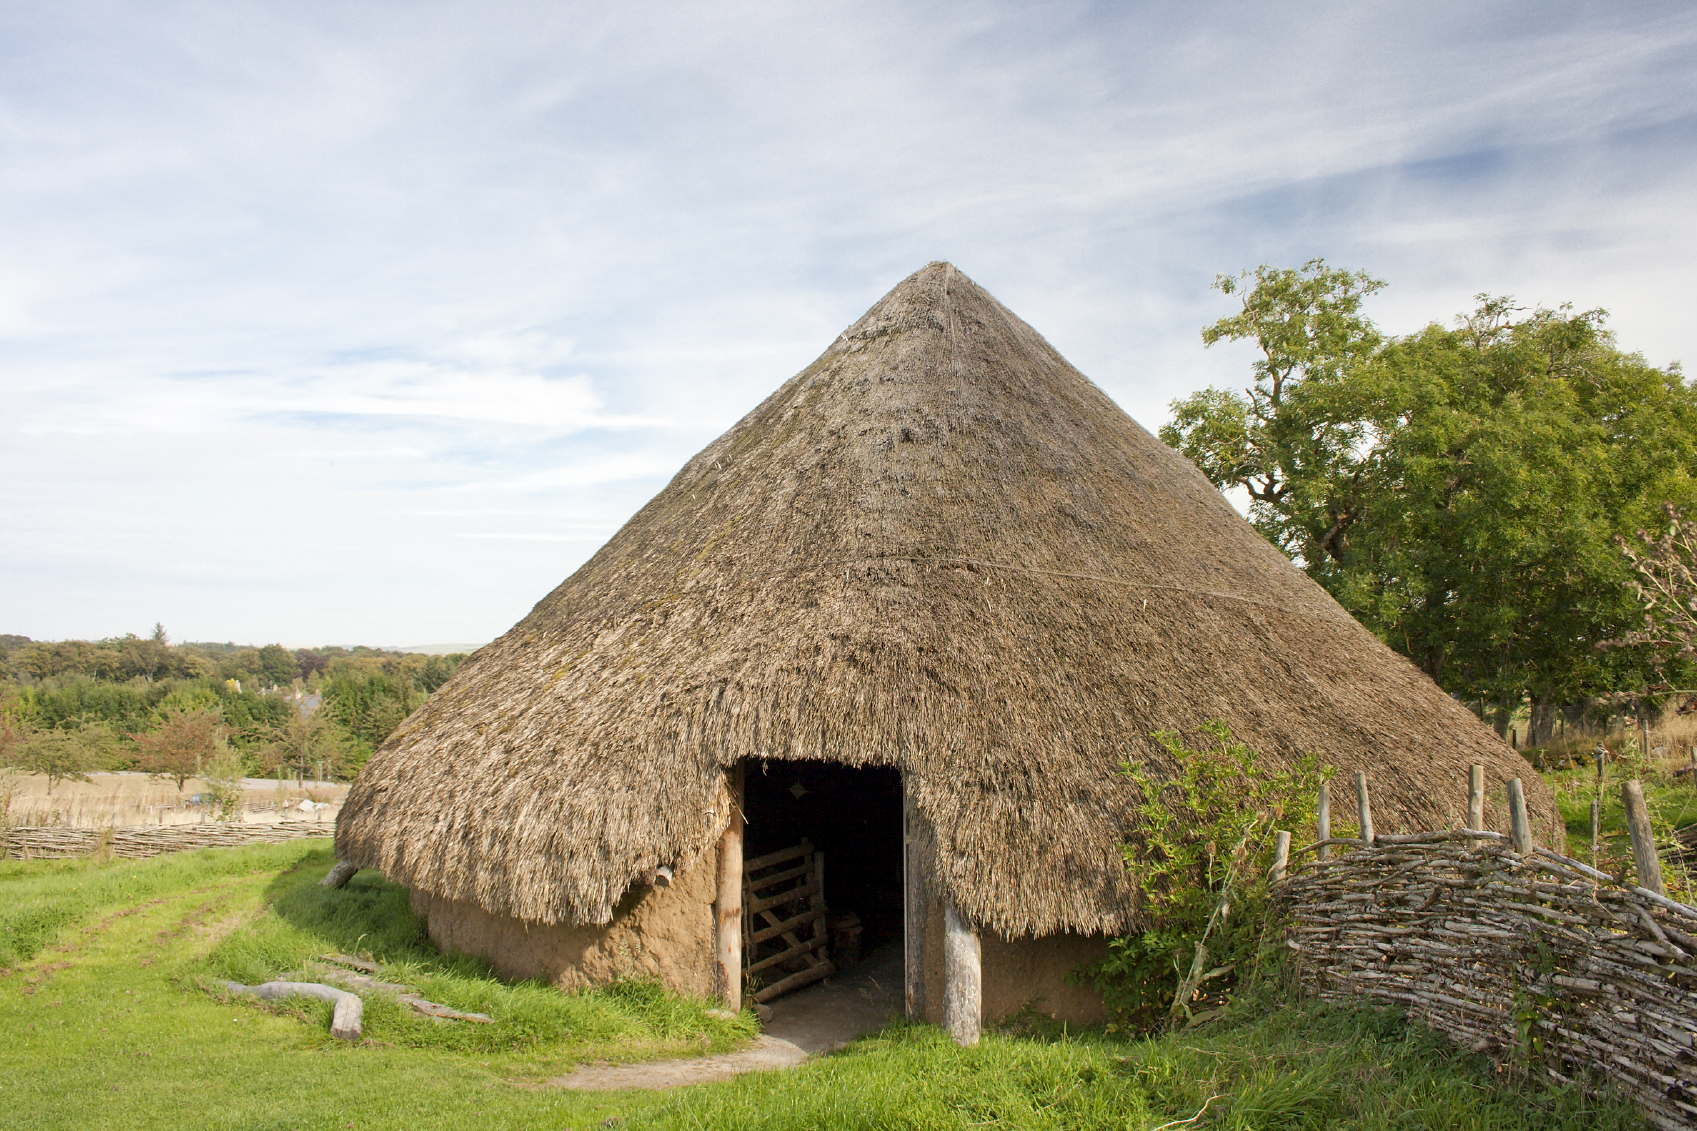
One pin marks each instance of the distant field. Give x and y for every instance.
(112, 1020)
(138, 799)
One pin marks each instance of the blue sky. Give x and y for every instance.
(368, 322)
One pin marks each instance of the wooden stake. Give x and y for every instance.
(1325, 821)
(727, 950)
(1364, 808)
(1476, 797)
(1644, 858)
(1596, 827)
(1281, 855)
(916, 903)
(1519, 827)
(963, 978)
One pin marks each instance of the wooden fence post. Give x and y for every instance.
(1519, 827)
(1325, 821)
(1366, 810)
(1281, 855)
(727, 948)
(1476, 798)
(1644, 857)
(963, 978)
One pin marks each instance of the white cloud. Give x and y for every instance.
(300, 299)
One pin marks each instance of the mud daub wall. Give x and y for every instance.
(24, 842)
(1536, 957)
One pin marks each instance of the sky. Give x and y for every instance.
(359, 322)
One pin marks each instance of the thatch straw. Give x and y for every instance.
(938, 547)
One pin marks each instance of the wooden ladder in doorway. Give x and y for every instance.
(783, 902)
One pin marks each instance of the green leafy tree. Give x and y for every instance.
(223, 775)
(1294, 439)
(1458, 490)
(304, 740)
(65, 753)
(277, 665)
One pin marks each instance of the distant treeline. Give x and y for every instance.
(131, 686)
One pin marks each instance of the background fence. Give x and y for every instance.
(1506, 948)
(25, 842)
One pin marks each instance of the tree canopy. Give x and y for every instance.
(1459, 489)
(73, 706)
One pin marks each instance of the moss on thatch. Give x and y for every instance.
(938, 547)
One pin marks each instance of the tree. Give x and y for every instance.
(64, 753)
(1293, 440)
(224, 774)
(277, 665)
(1666, 586)
(305, 738)
(1459, 489)
(181, 746)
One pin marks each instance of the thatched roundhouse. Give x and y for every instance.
(937, 584)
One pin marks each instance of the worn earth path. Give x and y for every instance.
(815, 1020)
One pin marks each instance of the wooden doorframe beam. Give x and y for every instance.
(915, 903)
(727, 943)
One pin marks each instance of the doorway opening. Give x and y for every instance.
(831, 835)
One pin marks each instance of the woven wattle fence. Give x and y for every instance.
(26, 842)
(1531, 956)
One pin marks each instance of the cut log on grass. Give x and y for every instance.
(339, 875)
(345, 1021)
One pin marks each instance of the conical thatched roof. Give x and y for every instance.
(938, 547)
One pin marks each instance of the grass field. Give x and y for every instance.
(112, 1020)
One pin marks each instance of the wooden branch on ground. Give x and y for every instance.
(345, 1021)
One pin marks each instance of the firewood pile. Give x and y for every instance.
(1532, 956)
(25, 842)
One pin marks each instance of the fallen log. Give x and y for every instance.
(345, 1021)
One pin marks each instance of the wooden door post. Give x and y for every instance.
(963, 977)
(727, 948)
(916, 903)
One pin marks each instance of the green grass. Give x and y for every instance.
(538, 1030)
(109, 1022)
(1293, 1067)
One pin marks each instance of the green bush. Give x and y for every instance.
(1201, 859)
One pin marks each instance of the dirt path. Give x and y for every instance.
(815, 1020)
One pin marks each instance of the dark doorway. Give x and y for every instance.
(851, 815)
